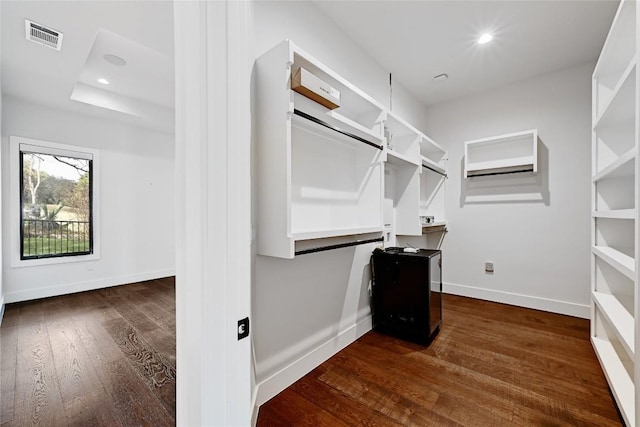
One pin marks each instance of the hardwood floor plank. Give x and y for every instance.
(154, 370)
(128, 311)
(334, 402)
(491, 365)
(392, 404)
(37, 399)
(134, 404)
(81, 391)
(62, 365)
(299, 412)
(8, 361)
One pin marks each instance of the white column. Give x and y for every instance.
(213, 274)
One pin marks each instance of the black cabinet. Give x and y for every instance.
(407, 293)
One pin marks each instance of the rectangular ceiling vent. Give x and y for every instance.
(42, 35)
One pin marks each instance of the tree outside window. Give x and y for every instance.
(56, 205)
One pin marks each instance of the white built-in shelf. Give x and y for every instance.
(619, 318)
(432, 150)
(319, 234)
(620, 261)
(510, 153)
(435, 167)
(617, 52)
(321, 171)
(621, 383)
(620, 105)
(615, 214)
(516, 164)
(435, 224)
(622, 166)
(404, 179)
(615, 300)
(398, 159)
(355, 127)
(402, 138)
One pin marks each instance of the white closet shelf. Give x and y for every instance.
(615, 214)
(621, 262)
(398, 159)
(619, 46)
(354, 99)
(435, 224)
(620, 381)
(525, 163)
(431, 149)
(622, 97)
(356, 126)
(319, 234)
(428, 163)
(622, 166)
(619, 318)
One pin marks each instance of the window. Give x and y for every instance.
(54, 202)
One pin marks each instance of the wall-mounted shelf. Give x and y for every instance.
(620, 167)
(433, 166)
(414, 179)
(327, 173)
(320, 171)
(619, 318)
(615, 214)
(503, 154)
(614, 226)
(618, 260)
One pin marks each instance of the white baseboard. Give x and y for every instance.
(544, 304)
(296, 370)
(255, 406)
(70, 288)
(1, 308)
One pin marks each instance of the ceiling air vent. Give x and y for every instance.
(42, 35)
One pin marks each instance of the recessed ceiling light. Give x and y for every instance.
(103, 81)
(485, 38)
(114, 59)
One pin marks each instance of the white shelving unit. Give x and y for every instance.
(327, 175)
(614, 231)
(320, 171)
(415, 179)
(511, 153)
(433, 181)
(402, 177)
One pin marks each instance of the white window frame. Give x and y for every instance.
(46, 147)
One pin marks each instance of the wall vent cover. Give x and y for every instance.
(42, 35)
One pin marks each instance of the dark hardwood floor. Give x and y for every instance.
(491, 365)
(100, 358)
(107, 358)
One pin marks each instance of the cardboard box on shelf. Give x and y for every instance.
(312, 87)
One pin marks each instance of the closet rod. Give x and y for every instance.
(434, 170)
(333, 128)
(498, 173)
(338, 246)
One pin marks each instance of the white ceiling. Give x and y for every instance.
(141, 32)
(414, 40)
(417, 40)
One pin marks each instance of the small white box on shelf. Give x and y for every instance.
(314, 88)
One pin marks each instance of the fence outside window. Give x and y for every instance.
(42, 237)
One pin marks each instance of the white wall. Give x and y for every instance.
(1, 198)
(540, 246)
(306, 309)
(136, 202)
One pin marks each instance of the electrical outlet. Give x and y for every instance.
(488, 267)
